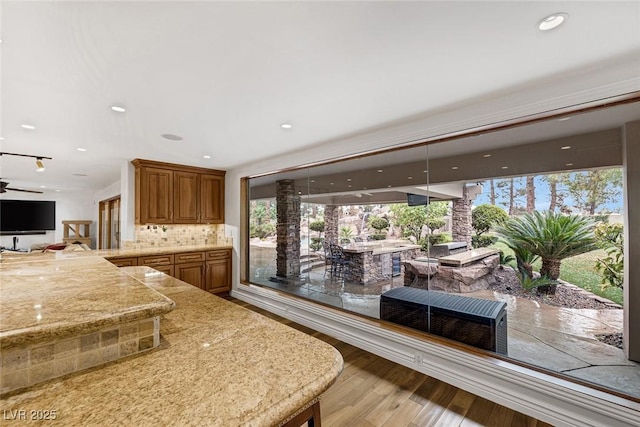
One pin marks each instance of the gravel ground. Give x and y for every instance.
(564, 297)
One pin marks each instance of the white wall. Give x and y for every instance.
(69, 206)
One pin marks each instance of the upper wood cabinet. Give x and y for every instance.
(167, 193)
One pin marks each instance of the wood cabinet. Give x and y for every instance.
(167, 193)
(207, 270)
(190, 268)
(154, 195)
(218, 273)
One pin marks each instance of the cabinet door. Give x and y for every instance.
(155, 196)
(192, 273)
(185, 197)
(211, 199)
(218, 276)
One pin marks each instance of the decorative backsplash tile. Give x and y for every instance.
(177, 235)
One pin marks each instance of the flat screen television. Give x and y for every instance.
(417, 200)
(27, 216)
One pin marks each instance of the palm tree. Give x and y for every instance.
(551, 236)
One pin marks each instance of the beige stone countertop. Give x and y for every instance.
(377, 248)
(57, 297)
(160, 250)
(218, 364)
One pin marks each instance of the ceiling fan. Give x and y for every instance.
(4, 187)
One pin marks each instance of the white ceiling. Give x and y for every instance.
(225, 75)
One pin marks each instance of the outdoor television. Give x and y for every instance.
(27, 216)
(417, 200)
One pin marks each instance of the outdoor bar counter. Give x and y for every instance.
(372, 262)
(215, 362)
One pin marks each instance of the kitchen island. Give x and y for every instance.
(216, 364)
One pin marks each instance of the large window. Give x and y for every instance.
(434, 238)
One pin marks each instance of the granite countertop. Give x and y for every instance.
(54, 298)
(218, 364)
(114, 253)
(379, 248)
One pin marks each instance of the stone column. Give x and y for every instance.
(331, 216)
(631, 176)
(287, 230)
(461, 230)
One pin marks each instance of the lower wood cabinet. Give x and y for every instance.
(192, 273)
(218, 276)
(210, 270)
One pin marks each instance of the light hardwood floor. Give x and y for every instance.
(373, 391)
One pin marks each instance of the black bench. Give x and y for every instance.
(474, 321)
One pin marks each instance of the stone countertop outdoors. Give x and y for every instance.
(57, 297)
(379, 247)
(218, 364)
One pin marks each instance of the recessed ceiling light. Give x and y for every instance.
(379, 170)
(486, 156)
(171, 137)
(79, 174)
(299, 192)
(409, 177)
(389, 186)
(331, 183)
(313, 180)
(568, 164)
(349, 179)
(286, 126)
(206, 156)
(57, 191)
(564, 119)
(1, 138)
(81, 149)
(118, 108)
(566, 147)
(28, 127)
(505, 167)
(454, 167)
(552, 21)
(349, 186)
(364, 188)
(43, 186)
(425, 171)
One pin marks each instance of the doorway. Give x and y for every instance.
(109, 214)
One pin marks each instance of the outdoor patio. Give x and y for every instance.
(559, 339)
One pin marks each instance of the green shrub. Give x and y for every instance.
(478, 241)
(486, 216)
(262, 231)
(434, 239)
(316, 243)
(611, 267)
(378, 236)
(317, 226)
(378, 223)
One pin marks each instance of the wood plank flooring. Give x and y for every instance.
(373, 391)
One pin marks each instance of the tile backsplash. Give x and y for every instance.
(177, 235)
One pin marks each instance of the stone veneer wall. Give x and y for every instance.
(177, 235)
(366, 268)
(287, 230)
(461, 229)
(331, 216)
(24, 366)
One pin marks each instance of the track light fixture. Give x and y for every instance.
(39, 164)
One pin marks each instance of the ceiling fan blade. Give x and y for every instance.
(24, 191)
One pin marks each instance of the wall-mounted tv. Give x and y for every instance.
(27, 216)
(417, 200)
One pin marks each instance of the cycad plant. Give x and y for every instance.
(551, 236)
